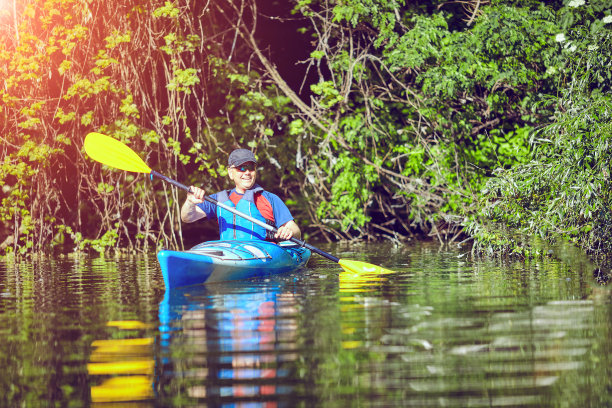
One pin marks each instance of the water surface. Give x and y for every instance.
(444, 329)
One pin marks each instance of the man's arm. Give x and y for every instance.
(288, 227)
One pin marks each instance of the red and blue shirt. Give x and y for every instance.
(270, 206)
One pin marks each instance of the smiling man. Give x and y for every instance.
(247, 197)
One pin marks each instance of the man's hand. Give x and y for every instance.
(287, 231)
(196, 196)
(190, 212)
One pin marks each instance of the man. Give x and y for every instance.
(248, 198)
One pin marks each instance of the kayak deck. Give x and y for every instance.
(219, 261)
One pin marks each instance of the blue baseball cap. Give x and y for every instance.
(241, 156)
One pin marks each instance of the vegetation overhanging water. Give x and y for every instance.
(374, 119)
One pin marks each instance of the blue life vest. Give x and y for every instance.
(232, 226)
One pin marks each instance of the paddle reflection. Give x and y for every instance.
(227, 344)
(363, 280)
(122, 369)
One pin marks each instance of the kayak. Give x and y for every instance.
(220, 261)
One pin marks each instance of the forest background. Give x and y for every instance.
(375, 119)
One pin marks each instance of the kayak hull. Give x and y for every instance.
(220, 261)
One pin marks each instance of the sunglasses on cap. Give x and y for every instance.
(247, 166)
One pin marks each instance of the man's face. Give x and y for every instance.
(243, 176)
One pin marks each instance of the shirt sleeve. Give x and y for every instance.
(209, 208)
(282, 215)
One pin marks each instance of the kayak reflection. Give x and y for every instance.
(227, 343)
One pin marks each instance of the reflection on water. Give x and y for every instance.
(439, 331)
(233, 342)
(364, 280)
(125, 365)
(500, 359)
(442, 330)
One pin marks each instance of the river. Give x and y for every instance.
(444, 329)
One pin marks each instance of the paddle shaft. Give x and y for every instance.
(246, 217)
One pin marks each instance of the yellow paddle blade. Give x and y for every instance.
(362, 267)
(113, 153)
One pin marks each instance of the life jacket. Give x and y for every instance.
(232, 226)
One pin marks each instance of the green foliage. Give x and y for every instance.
(102, 244)
(434, 109)
(448, 106)
(381, 14)
(167, 10)
(564, 189)
(413, 113)
(350, 192)
(66, 72)
(183, 79)
(163, 80)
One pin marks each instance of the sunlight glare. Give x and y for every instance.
(6, 8)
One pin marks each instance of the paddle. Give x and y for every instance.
(113, 153)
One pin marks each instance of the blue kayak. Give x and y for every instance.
(219, 261)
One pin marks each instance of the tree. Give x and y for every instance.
(416, 104)
(146, 73)
(564, 189)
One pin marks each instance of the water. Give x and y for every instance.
(444, 330)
